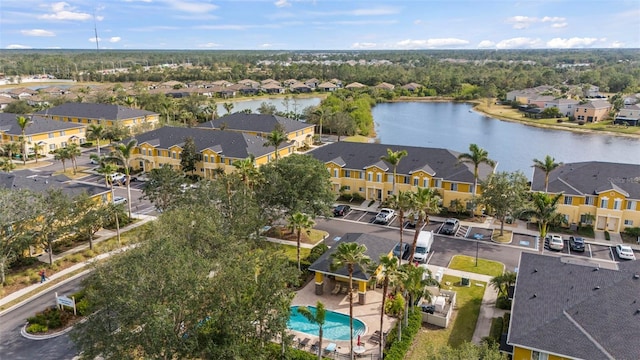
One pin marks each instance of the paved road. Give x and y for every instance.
(15, 347)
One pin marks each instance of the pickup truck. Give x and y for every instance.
(384, 216)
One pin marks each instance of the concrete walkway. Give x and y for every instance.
(108, 234)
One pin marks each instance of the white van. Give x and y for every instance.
(423, 246)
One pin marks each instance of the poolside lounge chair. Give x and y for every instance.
(331, 348)
(315, 347)
(375, 337)
(303, 344)
(344, 290)
(336, 289)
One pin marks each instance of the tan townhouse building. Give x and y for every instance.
(104, 114)
(592, 111)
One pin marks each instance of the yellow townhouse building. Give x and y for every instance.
(106, 115)
(358, 168)
(218, 149)
(262, 124)
(574, 310)
(47, 133)
(606, 195)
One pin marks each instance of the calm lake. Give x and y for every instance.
(454, 126)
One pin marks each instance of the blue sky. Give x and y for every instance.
(319, 24)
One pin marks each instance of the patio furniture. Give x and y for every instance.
(302, 344)
(315, 347)
(359, 350)
(344, 290)
(375, 337)
(336, 289)
(330, 348)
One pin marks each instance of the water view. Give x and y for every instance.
(294, 104)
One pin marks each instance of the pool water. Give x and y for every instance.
(336, 325)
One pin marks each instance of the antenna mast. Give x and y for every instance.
(95, 30)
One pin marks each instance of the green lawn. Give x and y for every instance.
(468, 264)
(429, 339)
(291, 252)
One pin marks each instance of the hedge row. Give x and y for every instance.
(274, 351)
(398, 349)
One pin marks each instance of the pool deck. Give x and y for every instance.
(369, 314)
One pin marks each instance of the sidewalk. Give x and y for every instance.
(107, 234)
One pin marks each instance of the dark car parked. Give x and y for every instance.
(450, 226)
(341, 210)
(405, 250)
(576, 243)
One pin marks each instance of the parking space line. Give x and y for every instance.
(361, 216)
(611, 253)
(590, 253)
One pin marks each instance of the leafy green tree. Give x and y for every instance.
(7, 165)
(350, 255)
(228, 107)
(551, 112)
(96, 132)
(106, 168)
(248, 172)
(504, 194)
(16, 215)
(467, 350)
(297, 183)
(23, 122)
(90, 216)
(502, 282)
(189, 156)
(317, 317)
(476, 156)
(401, 203)
(543, 208)
(115, 132)
(393, 158)
(63, 155)
(163, 187)
(390, 275)
(423, 202)
(276, 138)
(11, 148)
(123, 154)
(342, 124)
(18, 107)
(547, 165)
(266, 108)
(54, 218)
(297, 222)
(37, 150)
(74, 151)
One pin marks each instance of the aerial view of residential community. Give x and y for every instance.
(292, 179)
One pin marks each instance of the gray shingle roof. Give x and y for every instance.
(227, 143)
(95, 111)
(376, 246)
(263, 123)
(40, 183)
(591, 178)
(38, 125)
(442, 163)
(576, 311)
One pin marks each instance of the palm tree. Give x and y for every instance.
(502, 282)
(62, 154)
(228, 107)
(106, 169)
(11, 148)
(318, 317)
(350, 255)
(275, 139)
(37, 148)
(322, 113)
(424, 201)
(402, 203)
(96, 132)
(547, 165)
(389, 272)
(297, 222)
(393, 158)
(475, 156)
(74, 151)
(23, 122)
(247, 169)
(7, 165)
(123, 154)
(544, 209)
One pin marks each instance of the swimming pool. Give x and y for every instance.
(336, 325)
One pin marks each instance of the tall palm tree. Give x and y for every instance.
(228, 107)
(322, 113)
(123, 153)
(476, 156)
(423, 201)
(23, 122)
(11, 148)
(275, 139)
(74, 151)
(247, 170)
(393, 158)
(389, 272)
(544, 209)
(547, 165)
(106, 168)
(350, 255)
(96, 132)
(37, 148)
(318, 317)
(62, 154)
(297, 222)
(401, 203)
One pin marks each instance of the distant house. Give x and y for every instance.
(523, 96)
(49, 134)
(355, 85)
(4, 101)
(385, 86)
(592, 91)
(249, 83)
(412, 86)
(244, 89)
(22, 93)
(327, 86)
(104, 114)
(540, 100)
(629, 115)
(299, 87)
(289, 82)
(592, 111)
(312, 83)
(573, 309)
(223, 83)
(273, 88)
(564, 106)
(336, 82)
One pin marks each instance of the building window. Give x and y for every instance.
(631, 204)
(407, 180)
(568, 200)
(389, 192)
(378, 177)
(62, 133)
(335, 173)
(143, 152)
(438, 183)
(586, 219)
(347, 173)
(347, 187)
(360, 175)
(416, 181)
(206, 158)
(604, 203)
(51, 135)
(389, 178)
(590, 200)
(370, 176)
(63, 144)
(628, 223)
(52, 147)
(454, 187)
(617, 204)
(425, 183)
(361, 189)
(173, 154)
(536, 355)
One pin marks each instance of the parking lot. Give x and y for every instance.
(592, 251)
(99, 179)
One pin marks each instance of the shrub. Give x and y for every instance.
(274, 351)
(632, 231)
(496, 329)
(398, 349)
(75, 258)
(316, 252)
(503, 302)
(505, 323)
(580, 122)
(82, 307)
(37, 329)
(607, 236)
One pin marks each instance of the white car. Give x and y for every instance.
(117, 177)
(625, 252)
(384, 216)
(119, 200)
(556, 242)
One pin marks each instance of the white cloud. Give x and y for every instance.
(364, 45)
(114, 39)
(63, 11)
(553, 19)
(431, 43)
(559, 25)
(282, 3)
(93, 39)
(383, 10)
(266, 45)
(519, 43)
(484, 44)
(417, 22)
(617, 44)
(521, 22)
(18, 46)
(191, 7)
(573, 42)
(209, 45)
(37, 32)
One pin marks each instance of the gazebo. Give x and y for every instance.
(376, 246)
